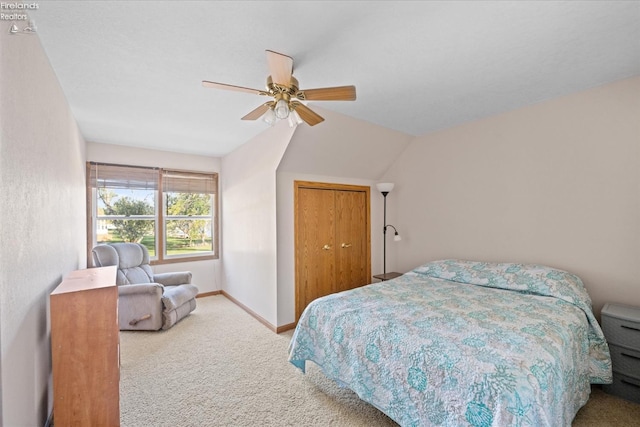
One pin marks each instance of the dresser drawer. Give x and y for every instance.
(625, 387)
(621, 325)
(625, 361)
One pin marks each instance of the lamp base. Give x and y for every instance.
(387, 276)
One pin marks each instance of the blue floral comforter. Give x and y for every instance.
(457, 343)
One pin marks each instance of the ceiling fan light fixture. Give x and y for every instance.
(294, 119)
(269, 117)
(282, 109)
(297, 117)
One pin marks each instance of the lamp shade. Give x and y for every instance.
(282, 109)
(269, 117)
(384, 187)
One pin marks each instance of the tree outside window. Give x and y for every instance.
(188, 219)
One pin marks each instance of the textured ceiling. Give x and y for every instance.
(132, 71)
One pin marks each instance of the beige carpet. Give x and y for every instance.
(221, 367)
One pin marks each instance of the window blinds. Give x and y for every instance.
(189, 182)
(105, 175)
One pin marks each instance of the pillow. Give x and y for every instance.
(527, 278)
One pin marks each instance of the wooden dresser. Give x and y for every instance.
(85, 349)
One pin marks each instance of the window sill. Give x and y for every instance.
(184, 259)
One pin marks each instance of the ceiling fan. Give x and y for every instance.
(286, 94)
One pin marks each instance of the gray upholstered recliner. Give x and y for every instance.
(146, 301)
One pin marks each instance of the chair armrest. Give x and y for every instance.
(175, 296)
(173, 279)
(141, 288)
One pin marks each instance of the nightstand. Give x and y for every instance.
(621, 327)
(387, 276)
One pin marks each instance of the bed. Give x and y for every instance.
(457, 343)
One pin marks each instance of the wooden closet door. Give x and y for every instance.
(332, 239)
(315, 245)
(351, 240)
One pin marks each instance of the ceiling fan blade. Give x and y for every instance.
(339, 93)
(280, 67)
(258, 112)
(306, 113)
(224, 86)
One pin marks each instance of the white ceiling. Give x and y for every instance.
(132, 71)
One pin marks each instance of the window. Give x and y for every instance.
(171, 212)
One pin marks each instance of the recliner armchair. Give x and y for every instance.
(146, 301)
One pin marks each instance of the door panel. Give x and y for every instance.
(351, 233)
(315, 245)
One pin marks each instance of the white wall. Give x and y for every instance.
(556, 183)
(206, 273)
(42, 217)
(342, 146)
(249, 220)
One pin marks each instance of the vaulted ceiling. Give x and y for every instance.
(132, 71)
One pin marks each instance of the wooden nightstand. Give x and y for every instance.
(388, 276)
(621, 327)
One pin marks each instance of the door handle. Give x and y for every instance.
(326, 248)
(346, 245)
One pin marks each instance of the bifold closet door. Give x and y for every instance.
(332, 240)
(315, 245)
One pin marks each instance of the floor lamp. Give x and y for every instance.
(385, 188)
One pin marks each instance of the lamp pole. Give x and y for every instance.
(384, 234)
(385, 188)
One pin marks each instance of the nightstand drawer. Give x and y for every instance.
(625, 387)
(621, 325)
(625, 361)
